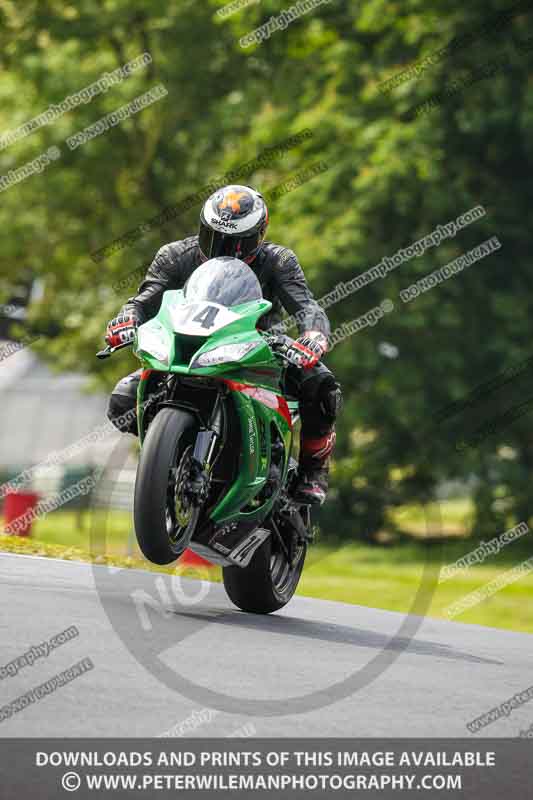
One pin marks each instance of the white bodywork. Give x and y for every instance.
(201, 319)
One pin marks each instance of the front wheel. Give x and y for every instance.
(268, 582)
(165, 517)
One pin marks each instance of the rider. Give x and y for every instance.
(233, 222)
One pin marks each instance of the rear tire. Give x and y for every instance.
(167, 440)
(267, 583)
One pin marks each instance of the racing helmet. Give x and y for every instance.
(233, 222)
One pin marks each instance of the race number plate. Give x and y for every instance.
(201, 319)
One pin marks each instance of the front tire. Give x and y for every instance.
(268, 582)
(162, 525)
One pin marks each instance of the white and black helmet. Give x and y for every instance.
(233, 223)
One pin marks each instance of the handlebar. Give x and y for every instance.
(278, 344)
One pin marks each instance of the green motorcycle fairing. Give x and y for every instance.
(183, 339)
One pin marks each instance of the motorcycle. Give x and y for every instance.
(216, 465)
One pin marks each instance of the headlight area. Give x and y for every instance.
(223, 354)
(155, 342)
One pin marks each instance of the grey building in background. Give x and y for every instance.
(43, 413)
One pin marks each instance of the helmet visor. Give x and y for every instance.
(214, 244)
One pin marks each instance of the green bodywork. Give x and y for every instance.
(254, 385)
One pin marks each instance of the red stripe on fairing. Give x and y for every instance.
(234, 385)
(269, 399)
(145, 374)
(284, 410)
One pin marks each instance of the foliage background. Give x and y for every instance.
(391, 180)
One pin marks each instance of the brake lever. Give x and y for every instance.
(108, 351)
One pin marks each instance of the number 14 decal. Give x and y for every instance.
(206, 317)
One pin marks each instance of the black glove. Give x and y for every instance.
(121, 329)
(304, 352)
(308, 349)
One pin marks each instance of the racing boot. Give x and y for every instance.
(312, 481)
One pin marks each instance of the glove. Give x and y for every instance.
(121, 329)
(307, 350)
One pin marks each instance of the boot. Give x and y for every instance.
(312, 482)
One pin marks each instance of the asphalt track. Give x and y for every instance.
(448, 674)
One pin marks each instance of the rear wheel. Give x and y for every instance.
(269, 581)
(165, 517)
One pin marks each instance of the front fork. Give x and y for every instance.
(206, 440)
(202, 456)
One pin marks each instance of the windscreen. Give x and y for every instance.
(227, 281)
